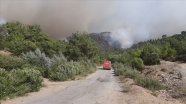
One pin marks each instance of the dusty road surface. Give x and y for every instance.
(98, 88)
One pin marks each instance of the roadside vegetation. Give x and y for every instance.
(34, 55)
(17, 82)
(150, 52)
(125, 71)
(131, 62)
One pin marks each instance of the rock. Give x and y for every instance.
(162, 91)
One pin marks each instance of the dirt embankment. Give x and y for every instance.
(173, 76)
(134, 94)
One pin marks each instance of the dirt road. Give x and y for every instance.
(98, 88)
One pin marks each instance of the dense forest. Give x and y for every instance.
(36, 55)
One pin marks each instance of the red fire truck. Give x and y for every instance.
(107, 65)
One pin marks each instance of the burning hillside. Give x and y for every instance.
(104, 40)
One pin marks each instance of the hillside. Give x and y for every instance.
(147, 57)
(35, 55)
(150, 52)
(104, 40)
(29, 55)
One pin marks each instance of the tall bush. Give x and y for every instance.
(150, 55)
(19, 82)
(69, 70)
(138, 63)
(39, 59)
(81, 46)
(11, 62)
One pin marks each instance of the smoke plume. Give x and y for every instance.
(130, 21)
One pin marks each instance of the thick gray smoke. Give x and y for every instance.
(130, 21)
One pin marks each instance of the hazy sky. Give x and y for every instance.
(130, 21)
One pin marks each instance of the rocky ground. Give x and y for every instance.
(173, 76)
(133, 94)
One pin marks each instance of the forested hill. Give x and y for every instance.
(172, 48)
(169, 48)
(105, 41)
(19, 38)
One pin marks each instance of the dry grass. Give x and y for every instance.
(154, 93)
(126, 88)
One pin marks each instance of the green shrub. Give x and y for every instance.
(81, 47)
(138, 63)
(41, 62)
(120, 68)
(88, 66)
(183, 91)
(126, 88)
(18, 38)
(129, 72)
(18, 82)
(63, 72)
(149, 83)
(69, 70)
(119, 72)
(133, 74)
(40, 69)
(11, 62)
(37, 58)
(150, 55)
